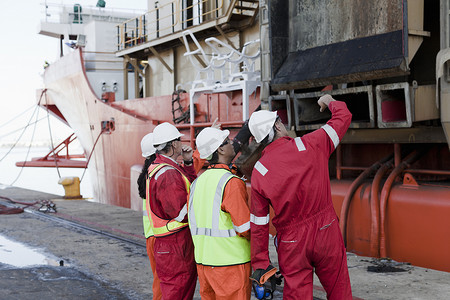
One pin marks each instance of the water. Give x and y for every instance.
(18, 255)
(38, 179)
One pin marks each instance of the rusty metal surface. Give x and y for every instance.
(318, 23)
(359, 101)
(329, 42)
(398, 135)
(361, 59)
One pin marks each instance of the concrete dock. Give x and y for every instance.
(97, 251)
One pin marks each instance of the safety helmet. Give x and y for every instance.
(147, 145)
(209, 140)
(165, 132)
(260, 123)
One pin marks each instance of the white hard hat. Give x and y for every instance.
(147, 145)
(209, 140)
(260, 123)
(165, 132)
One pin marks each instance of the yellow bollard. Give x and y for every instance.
(71, 187)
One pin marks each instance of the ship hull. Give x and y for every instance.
(111, 153)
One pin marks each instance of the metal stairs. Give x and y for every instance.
(243, 13)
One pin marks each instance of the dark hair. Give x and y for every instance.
(214, 158)
(166, 148)
(265, 141)
(143, 176)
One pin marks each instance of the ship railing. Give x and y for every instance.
(232, 64)
(241, 63)
(246, 80)
(101, 60)
(77, 14)
(167, 18)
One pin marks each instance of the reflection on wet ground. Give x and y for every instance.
(19, 255)
(47, 278)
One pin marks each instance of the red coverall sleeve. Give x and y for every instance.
(336, 127)
(235, 202)
(189, 171)
(259, 225)
(172, 194)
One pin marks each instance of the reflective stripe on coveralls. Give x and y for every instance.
(292, 176)
(213, 232)
(163, 227)
(259, 220)
(331, 134)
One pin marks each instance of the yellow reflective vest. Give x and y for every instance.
(213, 232)
(148, 231)
(162, 227)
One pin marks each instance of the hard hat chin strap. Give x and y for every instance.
(161, 146)
(271, 136)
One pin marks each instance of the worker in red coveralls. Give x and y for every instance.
(168, 191)
(292, 176)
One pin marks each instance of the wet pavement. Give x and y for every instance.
(50, 282)
(94, 251)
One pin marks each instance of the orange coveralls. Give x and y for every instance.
(156, 288)
(231, 282)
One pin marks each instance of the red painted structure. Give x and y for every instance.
(417, 228)
(386, 211)
(55, 159)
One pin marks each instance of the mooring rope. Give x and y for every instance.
(90, 154)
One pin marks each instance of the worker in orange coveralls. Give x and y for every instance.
(292, 176)
(168, 190)
(219, 221)
(148, 151)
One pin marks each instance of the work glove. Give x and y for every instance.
(278, 278)
(266, 290)
(241, 137)
(324, 102)
(260, 276)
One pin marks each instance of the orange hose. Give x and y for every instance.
(348, 197)
(385, 195)
(383, 203)
(375, 210)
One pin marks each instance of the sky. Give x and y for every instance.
(22, 55)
